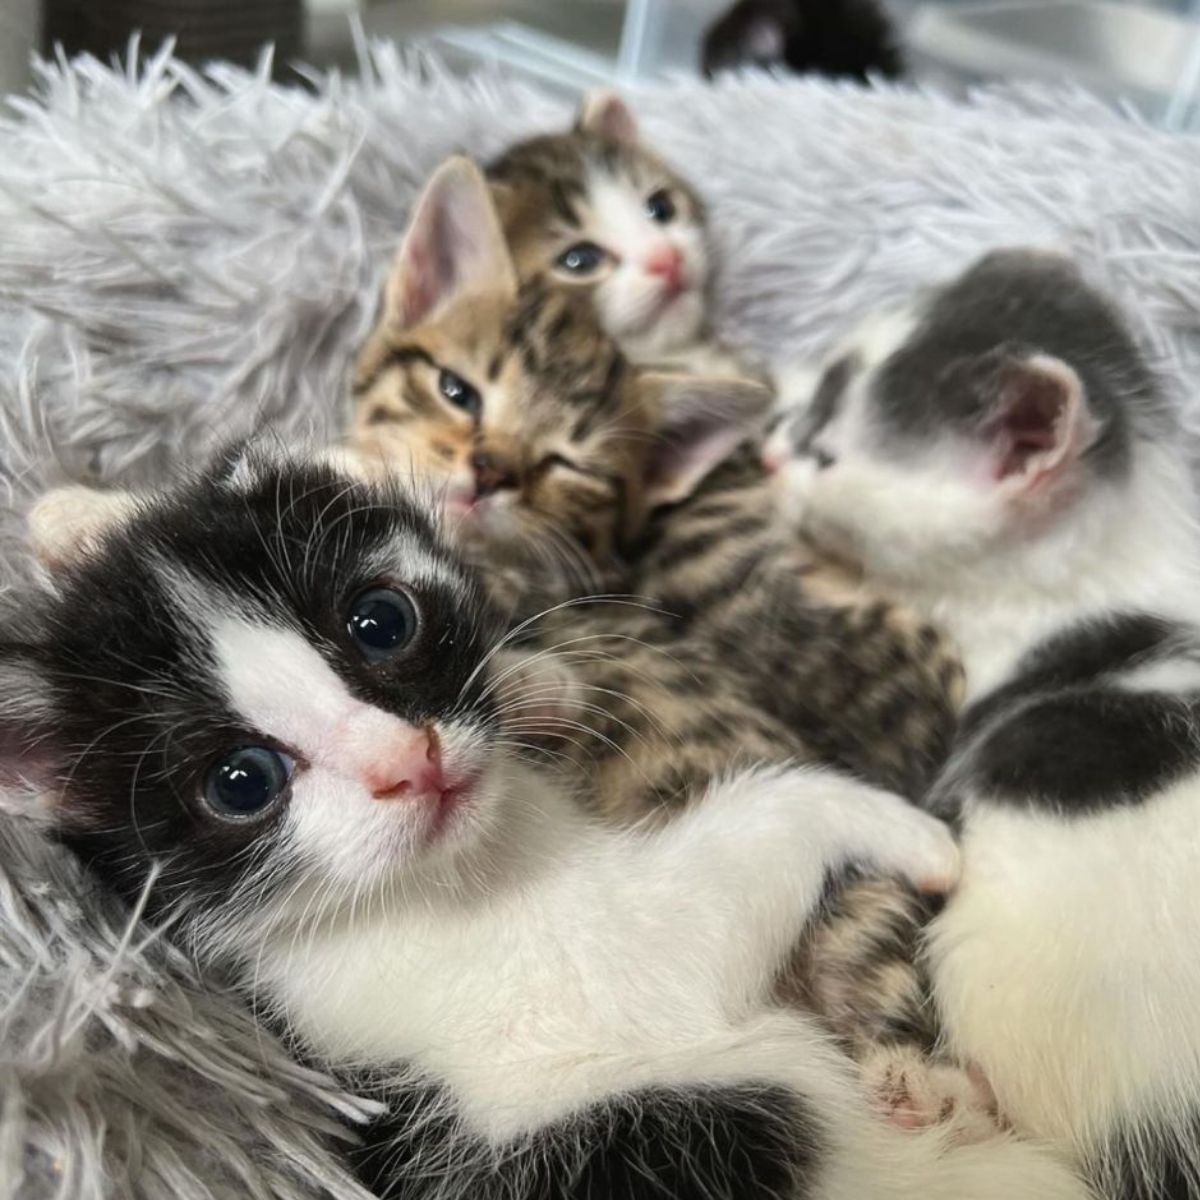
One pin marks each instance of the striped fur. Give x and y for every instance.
(738, 646)
(594, 185)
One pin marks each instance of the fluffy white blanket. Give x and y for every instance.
(186, 257)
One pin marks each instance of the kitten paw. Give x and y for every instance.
(913, 1092)
(921, 849)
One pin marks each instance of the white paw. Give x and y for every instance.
(920, 848)
(914, 1092)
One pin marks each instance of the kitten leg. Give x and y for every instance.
(751, 859)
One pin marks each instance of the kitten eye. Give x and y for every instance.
(459, 392)
(247, 781)
(382, 622)
(582, 258)
(660, 207)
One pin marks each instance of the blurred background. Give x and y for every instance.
(1145, 52)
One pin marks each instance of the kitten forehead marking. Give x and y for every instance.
(280, 685)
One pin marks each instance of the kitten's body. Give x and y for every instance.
(1034, 497)
(547, 996)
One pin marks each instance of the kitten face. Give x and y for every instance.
(273, 682)
(595, 211)
(977, 419)
(521, 413)
(547, 448)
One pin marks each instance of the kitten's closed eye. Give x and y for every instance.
(584, 258)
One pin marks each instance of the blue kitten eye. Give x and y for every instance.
(581, 259)
(459, 392)
(382, 622)
(660, 207)
(247, 781)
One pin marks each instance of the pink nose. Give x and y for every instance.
(413, 769)
(771, 460)
(666, 261)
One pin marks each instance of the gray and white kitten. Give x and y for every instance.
(278, 684)
(1002, 457)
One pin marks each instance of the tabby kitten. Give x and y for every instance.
(551, 453)
(539, 436)
(596, 212)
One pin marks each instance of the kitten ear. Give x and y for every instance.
(1040, 420)
(26, 721)
(700, 422)
(606, 115)
(454, 244)
(71, 522)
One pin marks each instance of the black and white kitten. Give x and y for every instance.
(277, 683)
(1002, 456)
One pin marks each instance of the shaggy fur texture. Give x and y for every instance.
(185, 257)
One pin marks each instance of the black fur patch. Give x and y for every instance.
(1012, 305)
(826, 401)
(837, 38)
(1154, 1164)
(1064, 734)
(1078, 656)
(1086, 750)
(720, 1143)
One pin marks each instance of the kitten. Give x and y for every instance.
(594, 211)
(274, 686)
(1003, 456)
(670, 685)
(548, 448)
(852, 39)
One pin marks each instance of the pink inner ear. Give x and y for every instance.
(1033, 424)
(420, 289)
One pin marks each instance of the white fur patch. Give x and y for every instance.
(630, 299)
(285, 691)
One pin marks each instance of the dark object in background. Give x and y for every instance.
(839, 38)
(205, 29)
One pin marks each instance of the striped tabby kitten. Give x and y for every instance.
(557, 463)
(594, 211)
